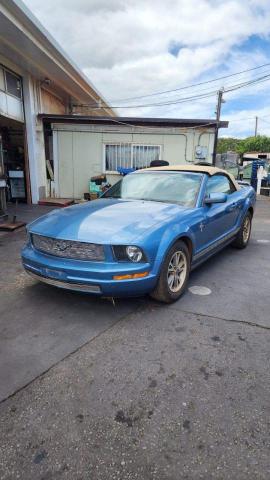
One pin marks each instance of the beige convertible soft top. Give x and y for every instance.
(197, 168)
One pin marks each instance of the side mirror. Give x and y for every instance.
(215, 198)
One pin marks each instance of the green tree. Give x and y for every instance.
(260, 144)
(228, 144)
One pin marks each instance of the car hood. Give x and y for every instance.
(111, 221)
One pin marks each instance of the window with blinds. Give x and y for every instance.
(128, 155)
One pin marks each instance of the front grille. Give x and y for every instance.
(68, 248)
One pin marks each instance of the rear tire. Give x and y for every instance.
(174, 274)
(243, 235)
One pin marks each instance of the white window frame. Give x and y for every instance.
(132, 146)
(19, 79)
(3, 83)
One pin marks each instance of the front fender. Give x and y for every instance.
(250, 202)
(166, 239)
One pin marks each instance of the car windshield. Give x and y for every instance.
(169, 187)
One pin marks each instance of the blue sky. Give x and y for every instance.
(255, 42)
(133, 48)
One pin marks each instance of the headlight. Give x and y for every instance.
(124, 253)
(134, 253)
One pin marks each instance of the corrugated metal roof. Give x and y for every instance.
(133, 121)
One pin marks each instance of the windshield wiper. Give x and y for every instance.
(162, 201)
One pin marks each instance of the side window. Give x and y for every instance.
(219, 184)
(13, 84)
(114, 191)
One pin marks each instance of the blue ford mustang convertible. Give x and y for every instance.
(144, 235)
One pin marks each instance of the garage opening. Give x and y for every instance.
(14, 172)
(14, 160)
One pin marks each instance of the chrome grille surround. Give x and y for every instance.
(68, 248)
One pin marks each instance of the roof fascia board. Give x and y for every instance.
(136, 121)
(26, 22)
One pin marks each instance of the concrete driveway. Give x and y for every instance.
(138, 390)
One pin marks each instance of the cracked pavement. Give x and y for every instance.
(139, 390)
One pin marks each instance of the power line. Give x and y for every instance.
(206, 88)
(172, 102)
(193, 85)
(265, 121)
(179, 100)
(201, 96)
(199, 92)
(248, 83)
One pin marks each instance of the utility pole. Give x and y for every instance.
(218, 112)
(256, 127)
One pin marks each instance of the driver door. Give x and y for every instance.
(220, 219)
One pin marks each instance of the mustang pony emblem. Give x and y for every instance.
(61, 246)
(202, 225)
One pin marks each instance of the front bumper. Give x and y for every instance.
(92, 277)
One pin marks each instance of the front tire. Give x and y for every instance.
(174, 274)
(243, 235)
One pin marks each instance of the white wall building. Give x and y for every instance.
(85, 146)
(36, 76)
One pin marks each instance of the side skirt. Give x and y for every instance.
(209, 253)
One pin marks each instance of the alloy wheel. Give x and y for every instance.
(177, 271)
(246, 229)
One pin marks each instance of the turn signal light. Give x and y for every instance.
(130, 276)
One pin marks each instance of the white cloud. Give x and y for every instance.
(123, 45)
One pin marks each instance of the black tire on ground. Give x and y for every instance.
(243, 235)
(163, 292)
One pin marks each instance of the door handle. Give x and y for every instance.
(232, 207)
